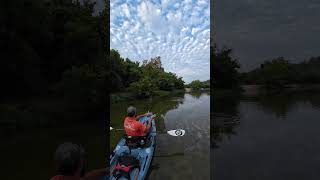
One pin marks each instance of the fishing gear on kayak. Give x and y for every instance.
(131, 159)
(124, 166)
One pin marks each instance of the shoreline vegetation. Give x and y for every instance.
(134, 80)
(54, 67)
(141, 80)
(273, 76)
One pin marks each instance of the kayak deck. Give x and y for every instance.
(144, 155)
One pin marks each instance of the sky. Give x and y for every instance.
(177, 31)
(258, 30)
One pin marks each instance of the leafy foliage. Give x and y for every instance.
(143, 79)
(275, 73)
(54, 48)
(225, 69)
(279, 72)
(197, 85)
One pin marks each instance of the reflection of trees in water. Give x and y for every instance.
(226, 114)
(162, 105)
(158, 105)
(281, 104)
(225, 119)
(195, 94)
(198, 94)
(277, 104)
(223, 126)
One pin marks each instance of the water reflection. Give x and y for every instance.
(281, 104)
(225, 119)
(274, 135)
(198, 94)
(195, 94)
(226, 115)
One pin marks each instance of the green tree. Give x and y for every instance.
(275, 72)
(129, 75)
(225, 69)
(196, 85)
(145, 87)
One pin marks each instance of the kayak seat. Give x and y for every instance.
(124, 166)
(137, 141)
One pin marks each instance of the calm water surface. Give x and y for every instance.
(184, 157)
(274, 137)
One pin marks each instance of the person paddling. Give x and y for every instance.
(132, 126)
(71, 162)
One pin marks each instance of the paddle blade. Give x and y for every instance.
(176, 132)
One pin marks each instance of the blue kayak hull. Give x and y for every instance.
(144, 155)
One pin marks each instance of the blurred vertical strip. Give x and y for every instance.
(106, 42)
(212, 45)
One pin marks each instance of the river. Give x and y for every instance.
(184, 157)
(268, 137)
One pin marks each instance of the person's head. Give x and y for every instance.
(70, 159)
(131, 111)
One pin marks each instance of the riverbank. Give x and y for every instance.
(258, 90)
(127, 96)
(197, 90)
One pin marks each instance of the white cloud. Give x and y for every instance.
(125, 10)
(164, 4)
(177, 31)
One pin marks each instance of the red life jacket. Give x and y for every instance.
(133, 127)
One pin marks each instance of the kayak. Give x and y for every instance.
(131, 159)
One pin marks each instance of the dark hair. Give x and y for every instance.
(131, 111)
(68, 158)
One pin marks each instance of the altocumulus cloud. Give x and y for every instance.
(177, 31)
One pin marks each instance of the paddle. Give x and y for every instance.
(174, 132)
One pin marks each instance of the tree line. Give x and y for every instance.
(143, 79)
(275, 73)
(279, 71)
(54, 49)
(197, 85)
(225, 69)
